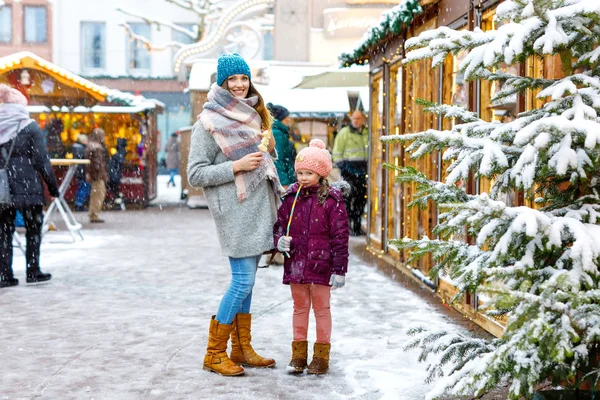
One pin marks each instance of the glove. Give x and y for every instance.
(284, 243)
(337, 281)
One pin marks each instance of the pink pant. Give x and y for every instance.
(304, 294)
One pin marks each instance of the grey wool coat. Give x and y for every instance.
(245, 229)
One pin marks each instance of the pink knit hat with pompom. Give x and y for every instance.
(314, 158)
(11, 96)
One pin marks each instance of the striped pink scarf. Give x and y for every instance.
(236, 127)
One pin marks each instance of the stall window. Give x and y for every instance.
(395, 155)
(420, 82)
(138, 56)
(35, 24)
(93, 45)
(503, 110)
(376, 171)
(268, 44)
(5, 24)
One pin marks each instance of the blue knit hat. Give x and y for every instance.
(231, 64)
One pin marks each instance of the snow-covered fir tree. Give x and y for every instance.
(538, 266)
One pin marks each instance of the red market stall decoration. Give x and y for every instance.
(66, 105)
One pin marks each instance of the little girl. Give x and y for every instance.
(312, 231)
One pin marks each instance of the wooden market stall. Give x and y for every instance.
(66, 105)
(394, 88)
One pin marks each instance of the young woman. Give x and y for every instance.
(242, 190)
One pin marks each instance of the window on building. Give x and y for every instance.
(36, 24)
(181, 37)
(5, 24)
(93, 45)
(268, 52)
(138, 56)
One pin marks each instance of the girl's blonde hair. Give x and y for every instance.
(323, 191)
(260, 107)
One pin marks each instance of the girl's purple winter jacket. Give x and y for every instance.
(319, 236)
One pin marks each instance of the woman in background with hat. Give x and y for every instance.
(242, 189)
(23, 154)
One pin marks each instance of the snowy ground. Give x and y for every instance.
(126, 317)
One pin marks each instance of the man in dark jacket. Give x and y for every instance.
(23, 153)
(83, 187)
(96, 173)
(115, 171)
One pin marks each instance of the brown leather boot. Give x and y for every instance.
(241, 349)
(216, 359)
(299, 357)
(320, 361)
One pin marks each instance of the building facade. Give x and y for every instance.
(26, 25)
(319, 30)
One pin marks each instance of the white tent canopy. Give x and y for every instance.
(309, 103)
(357, 75)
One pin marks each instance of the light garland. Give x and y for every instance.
(203, 46)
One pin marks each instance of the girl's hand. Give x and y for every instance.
(337, 281)
(284, 244)
(247, 163)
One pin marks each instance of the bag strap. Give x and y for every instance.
(7, 158)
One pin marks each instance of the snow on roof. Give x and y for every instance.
(37, 109)
(26, 59)
(391, 21)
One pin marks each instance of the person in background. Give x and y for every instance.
(22, 150)
(173, 158)
(96, 173)
(350, 154)
(316, 247)
(83, 187)
(284, 146)
(230, 158)
(115, 172)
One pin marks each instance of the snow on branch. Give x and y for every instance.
(537, 265)
(146, 43)
(202, 8)
(193, 34)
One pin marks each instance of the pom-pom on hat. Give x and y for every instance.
(10, 95)
(231, 64)
(314, 158)
(278, 112)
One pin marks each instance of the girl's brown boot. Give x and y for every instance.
(299, 357)
(320, 361)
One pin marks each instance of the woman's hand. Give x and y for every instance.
(247, 163)
(271, 146)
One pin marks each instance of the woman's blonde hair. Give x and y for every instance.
(260, 107)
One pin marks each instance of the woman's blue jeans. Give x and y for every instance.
(238, 297)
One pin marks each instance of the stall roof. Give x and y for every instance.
(97, 93)
(392, 22)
